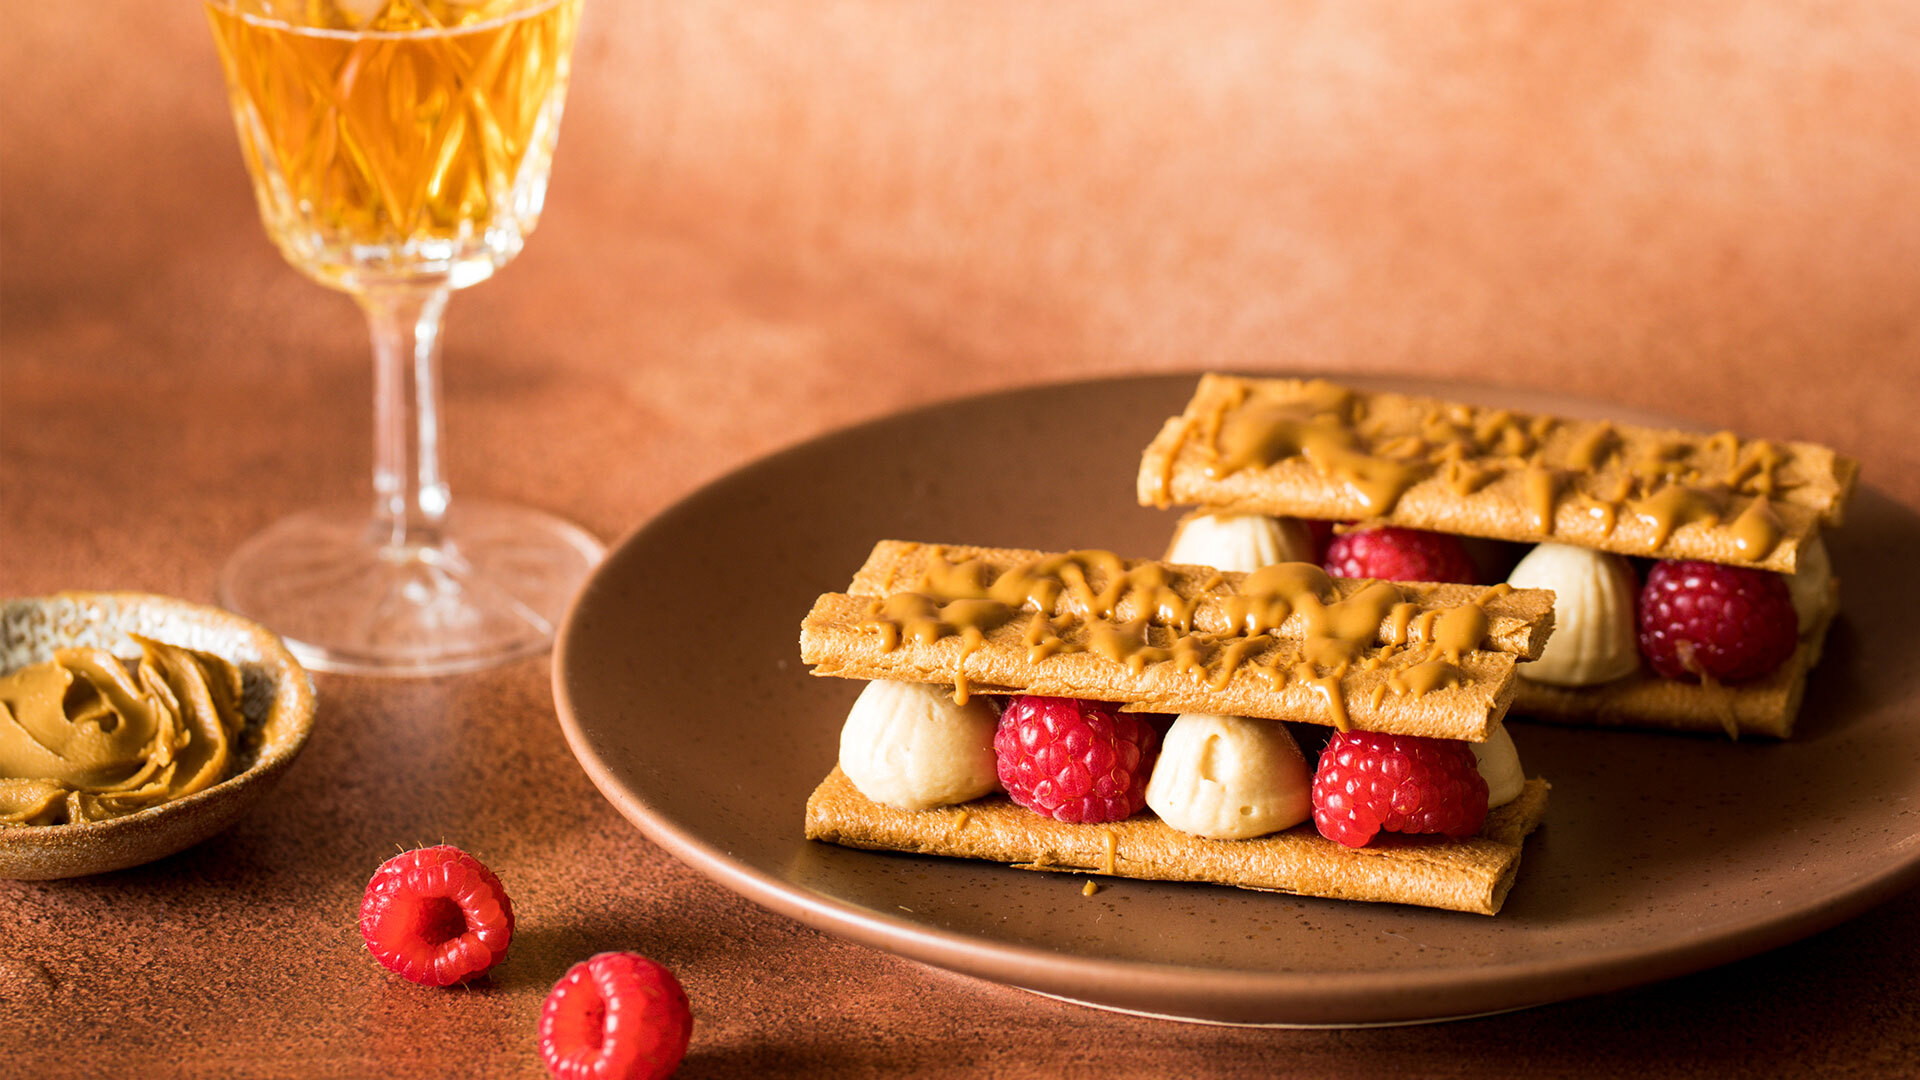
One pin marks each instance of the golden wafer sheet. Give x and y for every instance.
(1286, 642)
(1472, 875)
(1310, 449)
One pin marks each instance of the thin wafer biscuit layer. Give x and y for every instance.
(1466, 875)
(1584, 472)
(1517, 622)
(1216, 669)
(836, 641)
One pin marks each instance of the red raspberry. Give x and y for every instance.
(1322, 533)
(436, 916)
(1390, 554)
(1727, 622)
(1368, 782)
(617, 1016)
(1075, 761)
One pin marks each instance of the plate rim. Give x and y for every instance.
(1231, 995)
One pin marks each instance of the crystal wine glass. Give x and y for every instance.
(399, 150)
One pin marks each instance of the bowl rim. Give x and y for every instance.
(293, 696)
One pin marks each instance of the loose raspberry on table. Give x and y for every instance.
(1368, 783)
(435, 916)
(1726, 622)
(1391, 554)
(617, 1016)
(1074, 761)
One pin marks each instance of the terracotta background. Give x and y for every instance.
(771, 219)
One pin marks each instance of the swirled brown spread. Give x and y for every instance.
(1314, 449)
(86, 737)
(1132, 615)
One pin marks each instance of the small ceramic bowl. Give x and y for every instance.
(277, 702)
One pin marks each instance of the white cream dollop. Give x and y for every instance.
(1229, 777)
(1811, 586)
(1499, 765)
(1594, 639)
(1240, 542)
(908, 745)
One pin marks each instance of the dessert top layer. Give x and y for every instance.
(1287, 641)
(1309, 448)
(1289, 600)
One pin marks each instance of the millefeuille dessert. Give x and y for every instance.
(1418, 797)
(1719, 637)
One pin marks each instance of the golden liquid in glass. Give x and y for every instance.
(397, 141)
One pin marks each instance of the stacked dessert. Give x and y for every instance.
(1048, 676)
(1718, 632)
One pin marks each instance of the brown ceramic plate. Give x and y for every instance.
(680, 690)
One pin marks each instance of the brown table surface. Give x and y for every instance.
(769, 220)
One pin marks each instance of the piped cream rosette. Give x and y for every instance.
(1594, 639)
(1229, 777)
(1499, 764)
(908, 745)
(1240, 542)
(1811, 586)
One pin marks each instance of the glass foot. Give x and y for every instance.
(346, 600)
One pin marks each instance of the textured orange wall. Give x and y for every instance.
(1712, 208)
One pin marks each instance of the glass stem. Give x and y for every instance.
(409, 489)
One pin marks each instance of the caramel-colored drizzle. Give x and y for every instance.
(1668, 484)
(1130, 643)
(1328, 686)
(1425, 677)
(1503, 433)
(1464, 475)
(1402, 617)
(1043, 638)
(1726, 440)
(1450, 633)
(966, 599)
(1675, 505)
(1091, 588)
(970, 641)
(1660, 463)
(923, 618)
(1231, 401)
(1318, 427)
(1163, 492)
(1542, 487)
(1236, 654)
(1757, 529)
(1593, 448)
(1757, 473)
(1607, 507)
